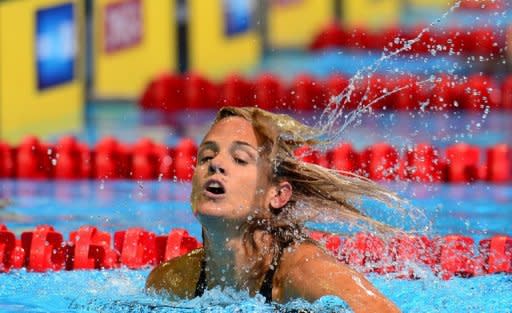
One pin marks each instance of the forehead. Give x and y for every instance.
(233, 128)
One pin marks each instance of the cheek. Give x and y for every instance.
(199, 171)
(195, 183)
(194, 194)
(248, 181)
(253, 192)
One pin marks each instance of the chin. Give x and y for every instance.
(210, 209)
(214, 212)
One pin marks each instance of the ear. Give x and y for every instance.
(281, 195)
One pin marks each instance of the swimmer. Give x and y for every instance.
(252, 197)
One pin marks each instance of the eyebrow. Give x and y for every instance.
(243, 143)
(209, 144)
(215, 147)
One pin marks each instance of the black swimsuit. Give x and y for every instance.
(266, 286)
(265, 290)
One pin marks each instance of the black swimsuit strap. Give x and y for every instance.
(268, 281)
(201, 282)
(266, 286)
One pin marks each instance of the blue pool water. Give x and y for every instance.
(478, 211)
(121, 291)
(124, 121)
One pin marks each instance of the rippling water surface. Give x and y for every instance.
(477, 210)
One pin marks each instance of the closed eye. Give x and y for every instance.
(205, 159)
(240, 161)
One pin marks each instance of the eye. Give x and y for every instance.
(205, 159)
(240, 161)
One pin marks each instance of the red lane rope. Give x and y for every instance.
(485, 5)
(451, 40)
(174, 92)
(45, 249)
(147, 160)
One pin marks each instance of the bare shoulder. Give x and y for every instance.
(305, 257)
(177, 276)
(308, 272)
(303, 254)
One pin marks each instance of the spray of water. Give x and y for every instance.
(334, 119)
(329, 120)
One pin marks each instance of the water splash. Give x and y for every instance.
(331, 131)
(329, 120)
(334, 120)
(214, 300)
(94, 291)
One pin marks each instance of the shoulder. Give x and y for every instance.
(177, 276)
(304, 258)
(309, 265)
(308, 260)
(303, 253)
(300, 266)
(309, 272)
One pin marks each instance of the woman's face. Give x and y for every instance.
(230, 179)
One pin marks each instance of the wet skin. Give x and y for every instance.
(231, 185)
(229, 155)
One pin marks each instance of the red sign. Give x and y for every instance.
(122, 25)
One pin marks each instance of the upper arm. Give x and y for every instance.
(314, 276)
(169, 280)
(177, 276)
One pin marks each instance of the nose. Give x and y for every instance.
(214, 167)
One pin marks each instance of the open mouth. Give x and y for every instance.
(214, 188)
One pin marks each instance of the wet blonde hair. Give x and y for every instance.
(324, 192)
(319, 194)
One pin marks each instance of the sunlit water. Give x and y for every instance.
(478, 211)
(122, 291)
(400, 129)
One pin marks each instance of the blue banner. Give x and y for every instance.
(55, 45)
(237, 16)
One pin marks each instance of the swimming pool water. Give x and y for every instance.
(478, 211)
(128, 124)
(122, 291)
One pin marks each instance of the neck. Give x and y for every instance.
(230, 261)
